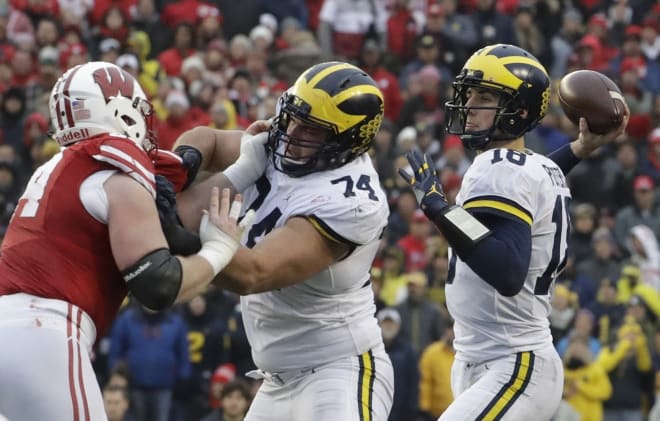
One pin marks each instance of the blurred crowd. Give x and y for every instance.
(225, 63)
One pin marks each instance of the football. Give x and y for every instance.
(594, 96)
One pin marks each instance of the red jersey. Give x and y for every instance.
(54, 248)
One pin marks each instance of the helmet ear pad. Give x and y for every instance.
(514, 120)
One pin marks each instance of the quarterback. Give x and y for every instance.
(508, 234)
(86, 232)
(303, 270)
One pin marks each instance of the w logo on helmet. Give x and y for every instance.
(114, 82)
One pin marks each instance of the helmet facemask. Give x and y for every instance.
(319, 154)
(135, 120)
(507, 112)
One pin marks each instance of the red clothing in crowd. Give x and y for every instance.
(170, 129)
(401, 33)
(101, 7)
(414, 250)
(41, 8)
(171, 59)
(188, 11)
(389, 85)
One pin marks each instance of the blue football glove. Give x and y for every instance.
(425, 183)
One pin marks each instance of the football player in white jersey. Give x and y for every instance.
(303, 273)
(508, 233)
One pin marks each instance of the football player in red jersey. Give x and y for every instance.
(85, 233)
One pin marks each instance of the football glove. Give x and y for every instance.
(192, 159)
(425, 183)
(179, 240)
(179, 167)
(462, 230)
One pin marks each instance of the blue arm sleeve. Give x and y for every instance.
(564, 158)
(502, 259)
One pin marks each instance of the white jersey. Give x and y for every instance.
(331, 315)
(531, 188)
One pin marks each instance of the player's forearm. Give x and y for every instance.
(219, 148)
(245, 274)
(197, 273)
(194, 200)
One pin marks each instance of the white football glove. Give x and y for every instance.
(218, 247)
(251, 162)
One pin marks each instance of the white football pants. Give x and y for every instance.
(46, 372)
(356, 388)
(523, 386)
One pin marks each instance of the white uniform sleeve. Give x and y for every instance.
(354, 221)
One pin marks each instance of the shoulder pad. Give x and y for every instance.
(124, 155)
(353, 220)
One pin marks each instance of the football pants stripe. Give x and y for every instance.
(512, 390)
(366, 385)
(508, 207)
(69, 345)
(81, 382)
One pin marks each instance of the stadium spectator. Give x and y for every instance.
(116, 402)
(205, 336)
(171, 58)
(345, 24)
(235, 398)
(586, 385)
(608, 310)
(562, 313)
(421, 319)
(627, 360)
(393, 291)
(643, 211)
(435, 374)
(371, 61)
(404, 362)
(155, 348)
(413, 243)
(602, 264)
(583, 328)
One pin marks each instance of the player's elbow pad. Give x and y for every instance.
(502, 259)
(155, 279)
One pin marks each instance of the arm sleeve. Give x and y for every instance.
(564, 158)
(502, 258)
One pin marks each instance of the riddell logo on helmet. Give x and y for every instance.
(72, 136)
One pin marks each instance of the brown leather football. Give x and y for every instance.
(594, 96)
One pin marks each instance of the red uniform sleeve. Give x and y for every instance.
(126, 156)
(170, 165)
